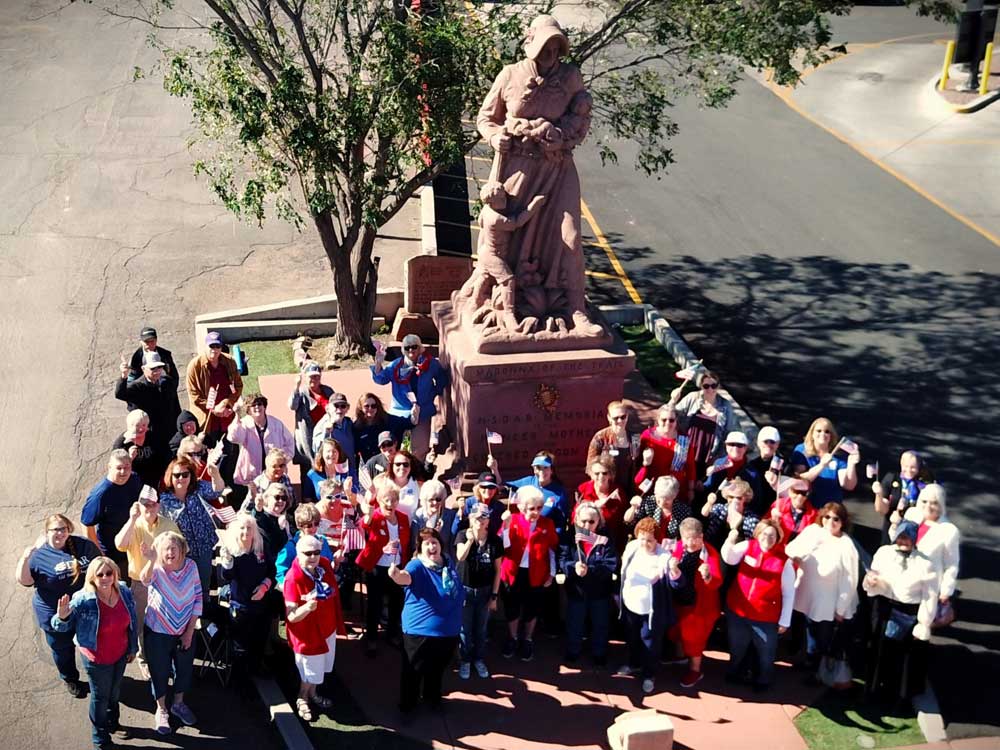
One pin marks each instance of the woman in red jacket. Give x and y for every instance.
(528, 568)
(792, 509)
(663, 453)
(696, 598)
(759, 601)
(604, 491)
(387, 541)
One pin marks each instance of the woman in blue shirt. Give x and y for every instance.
(432, 620)
(55, 566)
(815, 460)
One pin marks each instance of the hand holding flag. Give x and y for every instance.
(365, 478)
(493, 438)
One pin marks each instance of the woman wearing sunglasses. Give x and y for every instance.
(54, 566)
(370, 421)
(819, 459)
(184, 501)
(401, 475)
(706, 418)
(603, 490)
(102, 616)
(660, 455)
(616, 445)
(826, 591)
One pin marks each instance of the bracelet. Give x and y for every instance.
(494, 595)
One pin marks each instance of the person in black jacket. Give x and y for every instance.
(187, 424)
(145, 351)
(135, 441)
(588, 564)
(156, 394)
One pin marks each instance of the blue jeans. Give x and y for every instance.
(165, 657)
(643, 644)
(763, 636)
(105, 685)
(63, 654)
(577, 611)
(475, 619)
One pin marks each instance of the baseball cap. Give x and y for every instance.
(541, 461)
(152, 360)
(737, 437)
(312, 368)
(487, 479)
(147, 333)
(385, 437)
(338, 399)
(213, 339)
(769, 433)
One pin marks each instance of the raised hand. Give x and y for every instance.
(148, 552)
(705, 572)
(647, 457)
(62, 609)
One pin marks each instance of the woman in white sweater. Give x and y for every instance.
(904, 584)
(826, 590)
(937, 537)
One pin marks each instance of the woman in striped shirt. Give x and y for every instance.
(173, 609)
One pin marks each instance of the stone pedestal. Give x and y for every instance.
(536, 400)
(427, 278)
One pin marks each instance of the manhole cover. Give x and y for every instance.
(870, 77)
(865, 741)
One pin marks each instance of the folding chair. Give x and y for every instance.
(216, 643)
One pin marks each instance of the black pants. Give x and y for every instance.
(424, 660)
(381, 587)
(897, 669)
(643, 645)
(250, 627)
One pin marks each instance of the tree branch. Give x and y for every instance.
(245, 42)
(296, 18)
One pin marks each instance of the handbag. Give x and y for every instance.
(835, 673)
(899, 626)
(945, 616)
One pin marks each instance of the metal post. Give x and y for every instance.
(984, 82)
(949, 54)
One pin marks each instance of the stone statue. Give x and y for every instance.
(528, 285)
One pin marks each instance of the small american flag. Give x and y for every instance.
(210, 401)
(147, 495)
(225, 514)
(720, 465)
(680, 453)
(685, 373)
(365, 478)
(586, 535)
(455, 483)
(777, 463)
(871, 470)
(848, 446)
(494, 438)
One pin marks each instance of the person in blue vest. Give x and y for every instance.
(417, 379)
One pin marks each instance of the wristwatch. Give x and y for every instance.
(494, 595)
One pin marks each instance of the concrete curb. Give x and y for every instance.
(671, 341)
(963, 109)
(282, 715)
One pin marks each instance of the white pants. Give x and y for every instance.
(313, 669)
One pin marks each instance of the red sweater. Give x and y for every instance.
(539, 543)
(613, 511)
(308, 635)
(663, 457)
(756, 594)
(706, 593)
(376, 534)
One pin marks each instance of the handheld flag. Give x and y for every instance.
(720, 464)
(588, 536)
(494, 438)
(680, 453)
(225, 514)
(210, 401)
(871, 470)
(848, 446)
(365, 478)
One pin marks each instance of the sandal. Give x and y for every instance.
(322, 703)
(302, 707)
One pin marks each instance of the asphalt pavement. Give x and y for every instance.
(817, 282)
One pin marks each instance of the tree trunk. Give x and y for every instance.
(355, 282)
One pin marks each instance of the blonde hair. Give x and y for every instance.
(133, 419)
(807, 441)
(95, 567)
(691, 526)
(306, 512)
(75, 565)
(384, 486)
(737, 488)
(165, 539)
(528, 493)
(231, 537)
(617, 405)
(273, 455)
(434, 488)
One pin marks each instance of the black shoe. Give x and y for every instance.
(509, 648)
(527, 650)
(571, 658)
(76, 688)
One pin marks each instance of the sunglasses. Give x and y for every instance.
(369, 406)
(400, 463)
(216, 346)
(735, 445)
(668, 419)
(60, 530)
(311, 553)
(281, 499)
(411, 347)
(709, 386)
(105, 574)
(620, 418)
(181, 475)
(770, 442)
(601, 473)
(341, 406)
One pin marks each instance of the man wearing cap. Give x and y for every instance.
(733, 465)
(149, 346)
(213, 369)
(417, 379)
(308, 401)
(156, 394)
(336, 425)
(256, 433)
(387, 448)
(768, 443)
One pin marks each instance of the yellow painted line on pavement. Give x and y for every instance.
(603, 275)
(603, 243)
(785, 94)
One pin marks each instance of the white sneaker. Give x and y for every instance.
(627, 671)
(481, 669)
(464, 670)
(647, 685)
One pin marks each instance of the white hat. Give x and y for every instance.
(543, 28)
(737, 437)
(769, 433)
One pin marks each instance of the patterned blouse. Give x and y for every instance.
(193, 519)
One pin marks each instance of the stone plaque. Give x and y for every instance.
(431, 278)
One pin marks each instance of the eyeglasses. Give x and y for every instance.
(824, 431)
(668, 419)
(770, 442)
(620, 418)
(181, 474)
(709, 386)
(735, 445)
(311, 552)
(411, 347)
(400, 463)
(60, 530)
(105, 574)
(341, 406)
(215, 346)
(366, 407)
(795, 491)
(281, 499)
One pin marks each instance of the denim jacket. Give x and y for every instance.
(85, 619)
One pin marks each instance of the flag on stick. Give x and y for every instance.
(680, 453)
(225, 514)
(147, 495)
(365, 478)
(213, 392)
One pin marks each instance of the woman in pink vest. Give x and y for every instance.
(759, 601)
(528, 568)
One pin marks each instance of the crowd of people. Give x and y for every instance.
(683, 532)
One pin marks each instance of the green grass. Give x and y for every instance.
(266, 358)
(651, 359)
(843, 721)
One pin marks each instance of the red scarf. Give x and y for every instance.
(423, 364)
